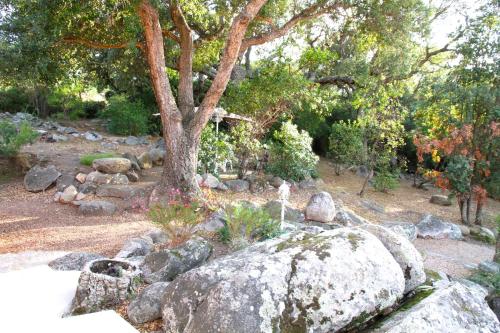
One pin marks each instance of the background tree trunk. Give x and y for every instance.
(496, 258)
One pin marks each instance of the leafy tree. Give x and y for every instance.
(247, 148)
(345, 144)
(125, 117)
(215, 151)
(465, 134)
(291, 155)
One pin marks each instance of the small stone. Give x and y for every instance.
(464, 229)
(133, 159)
(132, 176)
(88, 188)
(65, 180)
(222, 187)
(80, 196)
(81, 177)
(69, 194)
(57, 196)
(482, 234)
(209, 181)
(158, 236)
(92, 136)
(57, 138)
(145, 161)
(238, 185)
(157, 156)
(441, 200)
(97, 208)
(276, 181)
(307, 184)
(132, 141)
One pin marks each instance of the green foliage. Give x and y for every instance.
(214, 152)
(490, 281)
(459, 172)
(245, 224)
(291, 155)
(89, 158)
(345, 144)
(385, 180)
(12, 138)
(126, 117)
(247, 148)
(14, 100)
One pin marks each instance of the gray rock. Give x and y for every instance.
(136, 247)
(307, 184)
(133, 160)
(489, 267)
(406, 229)
(348, 218)
(166, 265)
(405, 254)
(276, 181)
(432, 227)
(132, 176)
(132, 141)
(209, 181)
(92, 136)
(122, 191)
(57, 138)
(103, 284)
(40, 178)
(97, 208)
(157, 156)
(212, 223)
(464, 229)
(158, 236)
(88, 188)
(321, 208)
(74, 261)
(456, 307)
(99, 178)
(297, 283)
(362, 171)
(273, 208)
(112, 165)
(147, 305)
(483, 234)
(237, 185)
(65, 180)
(441, 200)
(144, 161)
(222, 187)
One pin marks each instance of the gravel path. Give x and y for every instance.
(451, 256)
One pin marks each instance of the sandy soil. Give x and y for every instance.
(32, 221)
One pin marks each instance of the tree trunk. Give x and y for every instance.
(469, 204)
(479, 213)
(496, 258)
(367, 179)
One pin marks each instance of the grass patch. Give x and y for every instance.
(89, 158)
(490, 281)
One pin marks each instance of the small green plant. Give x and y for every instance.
(245, 224)
(178, 217)
(291, 155)
(490, 281)
(126, 117)
(89, 158)
(12, 138)
(384, 181)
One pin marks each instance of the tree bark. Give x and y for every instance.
(179, 168)
(496, 258)
(479, 213)
(368, 177)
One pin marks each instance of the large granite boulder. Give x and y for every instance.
(112, 164)
(147, 305)
(166, 265)
(432, 227)
(40, 178)
(321, 208)
(300, 282)
(405, 254)
(457, 307)
(74, 261)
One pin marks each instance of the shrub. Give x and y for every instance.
(89, 158)
(178, 217)
(214, 151)
(247, 147)
(12, 138)
(126, 117)
(245, 224)
(15, 100)
(291, 155)
(384, 181)
(345, 144)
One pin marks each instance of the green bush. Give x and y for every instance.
(126, 117)
(15, 100)
(12, 138)
(384, 181)
(291, 155)
(89, 158)
(346, 144)
(246, 147)
(245, 224)
(213, 150)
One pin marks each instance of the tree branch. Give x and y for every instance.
(339, 81)
(309, 13)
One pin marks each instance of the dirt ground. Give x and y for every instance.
(33, 221)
